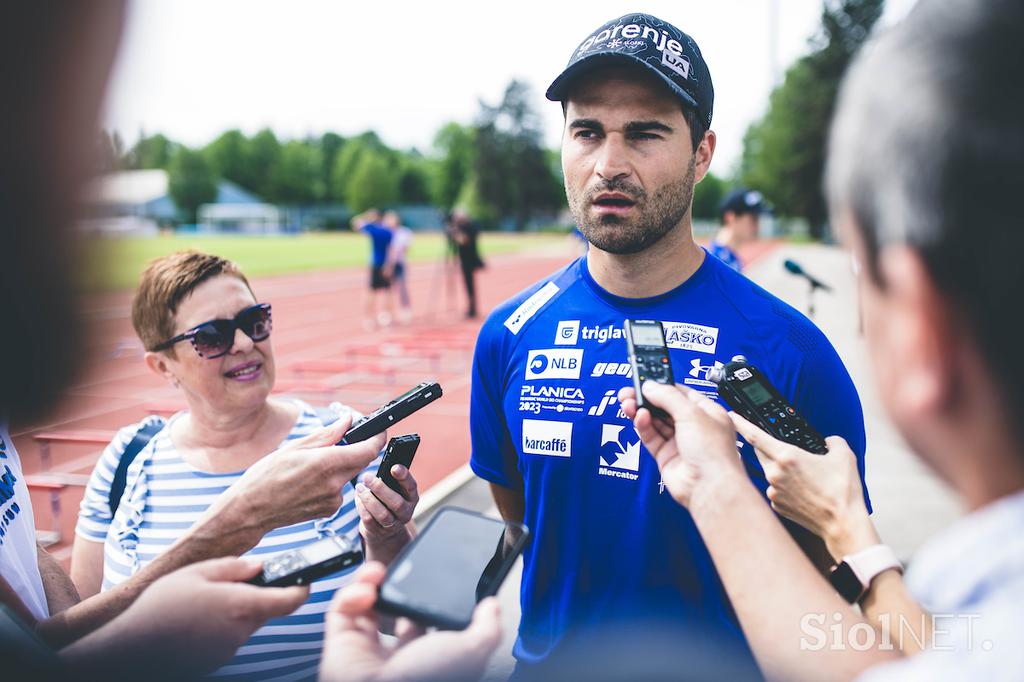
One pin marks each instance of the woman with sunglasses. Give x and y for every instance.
(206, 334)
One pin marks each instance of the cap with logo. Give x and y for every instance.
(741, 201)
(652, 43)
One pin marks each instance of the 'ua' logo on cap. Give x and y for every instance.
(676, 62)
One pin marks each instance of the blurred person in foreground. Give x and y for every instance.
(930, 97)
(615, 565)
(740, 213)
(58, 58)
(206, 334)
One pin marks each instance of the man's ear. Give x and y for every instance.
(702, 155)
(922, 336)
(157, 363)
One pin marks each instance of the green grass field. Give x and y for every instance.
(117, 263)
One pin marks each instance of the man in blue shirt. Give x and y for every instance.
(741, 219)
(369, 223)
(614, 562)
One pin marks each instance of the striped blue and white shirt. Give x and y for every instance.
(165, 495)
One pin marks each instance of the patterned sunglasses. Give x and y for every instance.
(215, 338)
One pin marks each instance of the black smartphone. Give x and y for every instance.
(747, 391)
(400, 450)
(310, 562)
(393, 412)
(648, 356)
(459, 558)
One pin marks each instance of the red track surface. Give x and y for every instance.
(323, 354)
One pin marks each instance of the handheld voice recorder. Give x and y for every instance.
(648, 355)
(393, 412)
(400, 450)
(751, 395)
(310, 562)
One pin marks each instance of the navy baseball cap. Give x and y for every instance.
(649, 42)
(742, 200)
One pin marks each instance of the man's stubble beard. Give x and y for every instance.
(657, 214)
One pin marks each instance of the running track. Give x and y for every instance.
(323, 353)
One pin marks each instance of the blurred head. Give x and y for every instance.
(57, 58)
(391, 220)
(740, 211)
(177, 293)
(924, 179)
(628, 158)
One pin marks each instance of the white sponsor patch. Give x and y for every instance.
(676, 62)
(530, 307)
(695, 337)
(547, 438)
(554, 363)
(568, 333)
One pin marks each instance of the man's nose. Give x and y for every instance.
(613, 160)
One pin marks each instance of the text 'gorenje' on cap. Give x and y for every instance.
(649, 42)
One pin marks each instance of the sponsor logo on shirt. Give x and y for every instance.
(547, 438)
(608, 402)
(535, 399)
(530, 307)
(620, 452)
(612, 369)
(568, 333)
(602, 334)
(695, 337)
(554, 363)
(699, 374)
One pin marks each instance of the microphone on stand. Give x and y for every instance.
(815, 283)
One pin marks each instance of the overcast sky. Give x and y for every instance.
(194, 68)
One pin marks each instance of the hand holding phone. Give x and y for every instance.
(458, 559)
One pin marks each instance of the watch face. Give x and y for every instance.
(846, 583)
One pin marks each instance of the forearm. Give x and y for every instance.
(60, 591)
(786, 622)
(212, 536)
(895, 614)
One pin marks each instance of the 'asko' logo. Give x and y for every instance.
(568, 333)
(554, 363)
(619, 456)
(686, 336)
(547, 438)
(612, 369)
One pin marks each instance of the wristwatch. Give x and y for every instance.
(854, 574)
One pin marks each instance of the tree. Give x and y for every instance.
(264, 154)
(373, 183)
(456, 146)
(349, 158)
(330, 145)
(784, 152)
(229, 156)
(511, 167)
(296, 177)
(191, 182)
(151, 152)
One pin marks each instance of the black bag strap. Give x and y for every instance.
(149, 428)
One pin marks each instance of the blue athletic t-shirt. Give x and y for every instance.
(610, 546)
(726, 255)
(380, 238)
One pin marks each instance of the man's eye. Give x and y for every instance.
(645, 136)
(586, 134)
